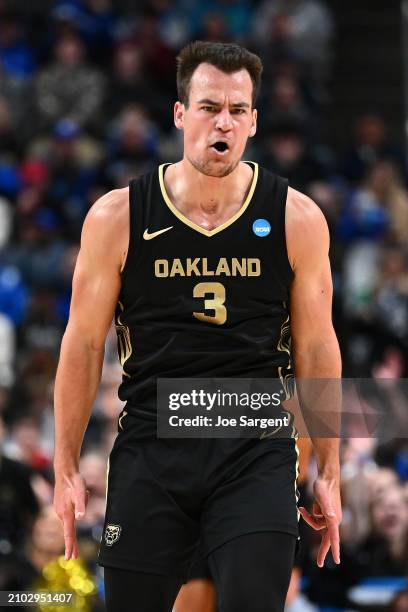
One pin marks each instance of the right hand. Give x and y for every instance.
(326, 516)
(70, 500)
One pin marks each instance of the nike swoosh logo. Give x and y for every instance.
(148, 236)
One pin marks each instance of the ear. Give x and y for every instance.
(252, 131)
(179, 111)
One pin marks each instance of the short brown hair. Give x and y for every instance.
(228, 57)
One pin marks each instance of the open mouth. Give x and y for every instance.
(220, 147)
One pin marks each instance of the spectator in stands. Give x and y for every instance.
(19, 505)
(132, 84)
(371, 143)
(96, 20)
(286, 104)
(365, 223)
(133, 142)
(72, 163)
(385, 551)
(367, 214)
(391, 296)
(387, 183)
(234, 14)
(298, 29)
(39, 253)
(16, 56)
(158, 55)
(287, 153)
(47, 539)
(70, 88)
(25, 445)
(42, 329)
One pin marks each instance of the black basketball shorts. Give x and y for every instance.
(164, 495)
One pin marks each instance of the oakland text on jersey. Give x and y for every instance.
(200, 266)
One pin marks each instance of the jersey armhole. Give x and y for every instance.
(135, 225)
(283, 186)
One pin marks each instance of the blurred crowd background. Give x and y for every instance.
(86, 99)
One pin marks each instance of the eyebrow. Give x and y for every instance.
(212, 103)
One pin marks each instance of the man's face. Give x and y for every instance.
(218, 121)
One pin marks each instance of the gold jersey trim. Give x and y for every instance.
(124, 342)
(284, 346)
(295, 435)
(107, 481)
(193, 225)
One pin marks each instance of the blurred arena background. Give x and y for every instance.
(86, 97)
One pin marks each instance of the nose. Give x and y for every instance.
(224, 120)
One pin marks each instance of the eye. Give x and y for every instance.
(239, 111)
(208, 109)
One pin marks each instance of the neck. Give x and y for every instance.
(191, 191)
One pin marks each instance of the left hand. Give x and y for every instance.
(326, 515)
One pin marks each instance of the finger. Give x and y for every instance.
(69, 532)
(69, 546)
(317, 510)
(315, 522)
(323, 549)
(333, 531)
(79, 500)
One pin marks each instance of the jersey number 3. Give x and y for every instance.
(215, 302)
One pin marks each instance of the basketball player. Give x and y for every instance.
(208, 264)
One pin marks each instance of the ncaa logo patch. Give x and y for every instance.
(261, 228)
(112, 534)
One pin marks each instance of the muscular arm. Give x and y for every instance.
(95, 290)
(316, 351)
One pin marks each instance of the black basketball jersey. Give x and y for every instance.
(203, 303)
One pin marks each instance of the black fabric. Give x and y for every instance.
(158, 334)
(163, 494)
(199, 568)
(127, 591)
(251, 573)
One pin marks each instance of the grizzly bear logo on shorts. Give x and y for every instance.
(112, 534)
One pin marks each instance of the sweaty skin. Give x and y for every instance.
(208, 188)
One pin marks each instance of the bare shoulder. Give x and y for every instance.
(106, 226)
(302, 210)
(306, 227)
(111, 208)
